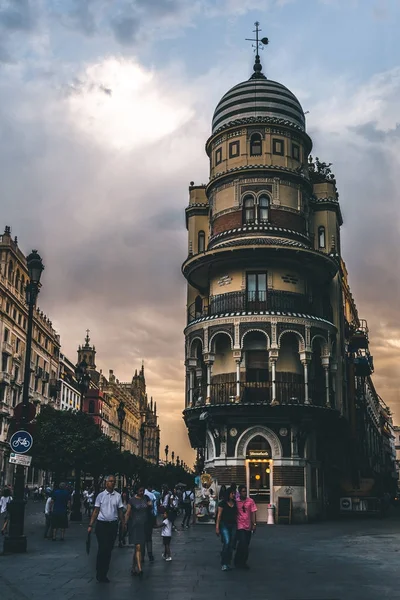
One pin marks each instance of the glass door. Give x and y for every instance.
(256, 294)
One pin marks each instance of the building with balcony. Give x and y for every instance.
(278, 386)
(13, 325)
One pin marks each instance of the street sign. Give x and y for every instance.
(30, 413)
(21, 442)
(20, 459)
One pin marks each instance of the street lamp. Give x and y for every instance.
(172, 456)
(83, 380)
(142, 434)
(16, 540)
(121, 418)
(166, 453)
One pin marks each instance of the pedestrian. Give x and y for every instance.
(47, 515)
(122, 529)
(151, 522)
(138, 510)
(26, 493)
(173, 506)
(61, 504)
(5, 500)
(166, 535)
(108, 508)
(226, 527)
(187, 504)
(165, 494)
(222, 492)
(246, 525)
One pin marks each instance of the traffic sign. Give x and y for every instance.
(30, 413)
(21, 442)
(20, 459)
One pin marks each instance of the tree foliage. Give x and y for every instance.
(65, 440)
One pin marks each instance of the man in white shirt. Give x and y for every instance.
(107, 509)
(152, 519)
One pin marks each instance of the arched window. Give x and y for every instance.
(22, 289)
(91, 407)
(249, 209)
(321, 237)
(17, 279)
(263, 206)
(255, 145)
(10, 270)
(201, 241)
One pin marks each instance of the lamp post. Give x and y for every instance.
(172, 456)
(121, 418)
(142, 434)
(166, 453)
(83, 380)
(16, 540)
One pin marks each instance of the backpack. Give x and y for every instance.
(186, 498)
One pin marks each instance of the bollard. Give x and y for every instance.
(271, 514)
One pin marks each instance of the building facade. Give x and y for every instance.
(13, 326)
(275, 395)
(68, 394)
(140, 430)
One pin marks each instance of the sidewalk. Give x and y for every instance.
(353, 560)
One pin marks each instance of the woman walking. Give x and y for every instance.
(138, 510)
(226, 527)
(5, 500)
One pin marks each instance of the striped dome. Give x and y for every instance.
(258, 98)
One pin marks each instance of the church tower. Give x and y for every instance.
(87, 352)
(265, 334)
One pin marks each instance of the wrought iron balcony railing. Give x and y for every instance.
(271, 300)
(260, 392)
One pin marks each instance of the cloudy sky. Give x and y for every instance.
(104, 111)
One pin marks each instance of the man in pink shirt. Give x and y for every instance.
(246, 525)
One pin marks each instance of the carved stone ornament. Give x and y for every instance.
(268, 434)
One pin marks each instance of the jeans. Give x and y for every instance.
(242, 553)
(106, 532)
(228, 533)
(47, 527)
(188, 514)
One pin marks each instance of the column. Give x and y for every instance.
(325, 364)
(199, 381)
(274, 401)
(238, 380)
(191, 386)
(305, 359)
(209, 371)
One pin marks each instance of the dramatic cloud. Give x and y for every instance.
(97, 151)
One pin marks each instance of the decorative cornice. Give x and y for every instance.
(250, 317)
(243, 169)
(256, 228)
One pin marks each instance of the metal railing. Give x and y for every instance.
(271, 300)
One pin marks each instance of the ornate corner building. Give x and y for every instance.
(278, 389)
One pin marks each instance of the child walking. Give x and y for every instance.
(166, 534)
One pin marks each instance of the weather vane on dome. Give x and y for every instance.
(259, 45)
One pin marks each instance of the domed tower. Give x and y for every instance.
(264, 317)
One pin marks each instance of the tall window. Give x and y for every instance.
(256, 291)
(249, 209)
(201, 241)
(17, 279)
(234, 149)
(321, 236)
(263, 206)
(91, 406)
(10, 270)
(255, 145)
(218, 156)
(278, 147)
(22, 284)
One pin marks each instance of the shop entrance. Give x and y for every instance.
(259, 470)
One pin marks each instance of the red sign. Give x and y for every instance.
(31, 412)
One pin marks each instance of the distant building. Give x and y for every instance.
(68, 397)
(45, 348)
(279, 394)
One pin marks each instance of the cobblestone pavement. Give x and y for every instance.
(342, 560)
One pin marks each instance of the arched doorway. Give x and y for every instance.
(259, 461)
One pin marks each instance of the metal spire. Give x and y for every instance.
(259, 44)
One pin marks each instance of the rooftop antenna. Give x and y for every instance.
(259, 45)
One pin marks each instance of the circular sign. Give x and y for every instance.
(233, 432)
(21, 442)
(31, 411)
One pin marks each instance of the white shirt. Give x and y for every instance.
(47, 508)
(4, 500)
(166, 530)
(108, 505)
(153, 499)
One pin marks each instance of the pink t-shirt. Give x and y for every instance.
(244, 510)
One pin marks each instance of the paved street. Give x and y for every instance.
(344, 560)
